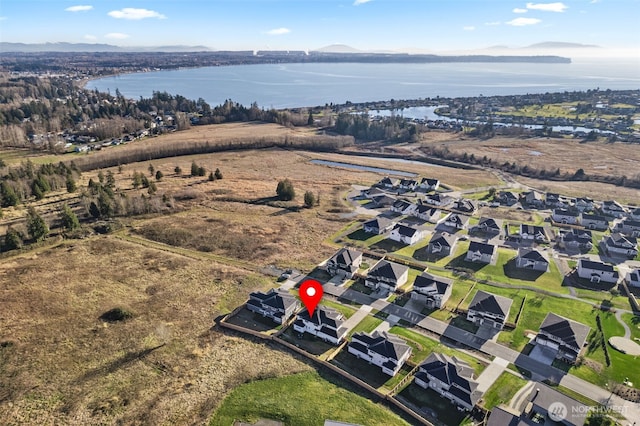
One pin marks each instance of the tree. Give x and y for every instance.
(202, 171)
(111, 180)
(36, 226)
(285, 190)
(310, 119)
(12, 239)
(137, 180)
(178, 170)
(194, 169)
(101, 177)
(69, 219)
(9, 196)
(159, 175)
(152, 188)
(211, 177)
(71, 184)
(151, 169)
(218, 174)
(309, 199)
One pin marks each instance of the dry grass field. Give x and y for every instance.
(568, 155)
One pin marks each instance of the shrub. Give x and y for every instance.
(116, 315)
(285, 190)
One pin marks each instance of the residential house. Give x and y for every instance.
(383, 200)
(629, 227)
(613, 208)
(438, 200)
(389, 183)
(533, 233)
(403, 207)
(457, 221)
(489, 309)
(635, 214)
(595, 222)
(326, 324)
(465, 206)
(408, 184)
(428, 213)
(344, 263)
(273, 304)
(373, 192)
(450, 377)
(633, 278)
(566, 216)
(534, 199)
(544, 406)
(406, 234)
(575, 239)
(432, 290)
(597, 271)
(386, 275)
(617, 244)
(387, 351)
(584, 204)
(507, 198)
(428, 184)
(489, 225)
(529, 258)
(565, 336)
(481, 253)
(441, 244)
(552, 200)
(378, 225)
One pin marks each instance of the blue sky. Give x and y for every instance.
(430, 25)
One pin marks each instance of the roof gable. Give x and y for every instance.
(491, 303)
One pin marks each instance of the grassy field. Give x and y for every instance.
(300, 399)
(502, 390)
(633, 321)
(347, 311)
(368, 324)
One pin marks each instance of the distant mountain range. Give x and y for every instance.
(93, 47)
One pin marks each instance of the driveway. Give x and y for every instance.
(491, 373)
(543, 354)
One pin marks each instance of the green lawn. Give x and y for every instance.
(408, 251)
(424, 346)
(368, 324)
(300, 399)
(502, 390)
(361, 238)
(633, 321)
(347, 311)
(446, 412)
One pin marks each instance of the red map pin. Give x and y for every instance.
(310, 293)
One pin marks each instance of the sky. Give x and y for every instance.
(401, 25)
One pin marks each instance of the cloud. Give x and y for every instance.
(594, 1)
(116, 36)
(135, 14)
(279, 31)
(79, 8)
(90, 37)
(518, 10)
(548, 7)
(521, 22)
(469, 28)
(359, 2)
(492, 24)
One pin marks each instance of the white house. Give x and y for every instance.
(389, 183)
(450, 377)
(403, 207)
(457, 221)
(617, 244)
(428, 184)
(584, 204)
(529, 258)
(428, 213)
(438, 200)
(597, 271)
(633, 278)
(613, 208)
(635, 214)
(441, 244)
(629, 227)
(575, 239)
(408, 184)
(431, 290)
(489, 225)
(344, 263)
(595, 222)
(566, 216)
(406, 234)
(481, 253)
(563, 335)
(387, 351)
(489, 309)
(386, 275)
(273, 304)
(326, 324)
(378, 225)
(533, 233)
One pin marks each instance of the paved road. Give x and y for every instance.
(627, 330)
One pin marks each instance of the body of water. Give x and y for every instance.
(296, 85)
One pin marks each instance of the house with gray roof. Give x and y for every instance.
(403, 207)
(613, 208)
(438, 200)
(387, 351)
(489, 225)
(594, 222)
(450, 377)
(566, 216)
(378, 225)
(457, 221)
(507, 198)
(530, 258)
(533, 233)
(489, 309)
(273, 304)
(431, 290)
(325, 323)
(481, 253)
(534, 199)
(629, 227)
(389, 182)
(406, 234)
(597, 271)
(633, 278)
(441, 244)
(344, 263)
(617, 244)
(563, 335)
(575, 239)
(584, 204)
(386, 275)
(428, 184)
(428, 213)
(635, 214)
(465, 206)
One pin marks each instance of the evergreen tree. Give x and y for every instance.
(100, 177)
(194, 169)
(69, 219)
(36, 226)
(218, 174)
(285, 190)
(9, 196)
(152, 188)
(71, 184)
(12, 239)
(159, 175)
(137, 180)
(111, 180)
(178, 170)
(211, 177)
(151, 169)
(309, 199)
